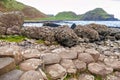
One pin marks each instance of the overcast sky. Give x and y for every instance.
(78, 6)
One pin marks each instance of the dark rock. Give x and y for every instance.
(117, 36)
(86, 32)
(11, 22)
(6, 64)
(101, 29)
(50, 24)
(44, 33)
(12, 75)
(73, 26)
(66, 36)
(114, 31)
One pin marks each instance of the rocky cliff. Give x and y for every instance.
(97, 14)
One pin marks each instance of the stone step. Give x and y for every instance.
(6, 64)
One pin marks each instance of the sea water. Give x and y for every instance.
(69, 23)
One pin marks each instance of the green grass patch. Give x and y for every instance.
(40, 41)
(13, 38)
(17, 67)
(12, 5)
(97, 77)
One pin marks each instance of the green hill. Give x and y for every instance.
(29, 12)
(96, 14)
(66, 15)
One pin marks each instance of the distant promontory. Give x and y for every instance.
(97, 14)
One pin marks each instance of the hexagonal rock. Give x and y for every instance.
(78, 49)
(114, 63)
(112, 77)
(68, 54)
(31, 75)
(43, 74)
(12, 75)
(80, 65)
(6, 64)
(101, 58)
(95, 54)
(58, 50)
(11, 51)
(30, 64)
(51, 58)
(117, 74)
(72, 79)
(56, 71)
(68, 65)
(99, 69)
(85, 57)
(86, 76)
(31, 53)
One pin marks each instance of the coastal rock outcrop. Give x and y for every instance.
(50, 24)
(101, 29)
(11, 23)
(43, 33)
(86, 32)
(66, 36)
